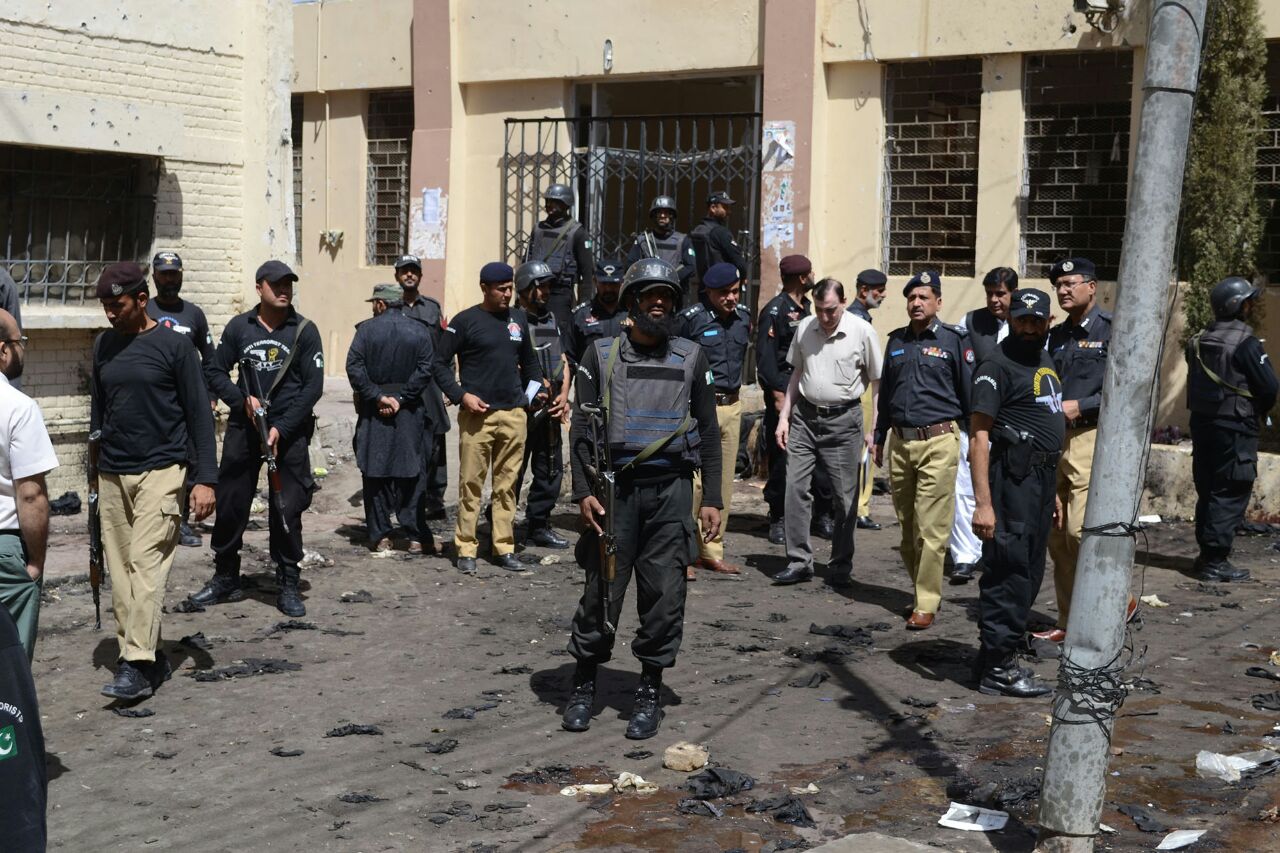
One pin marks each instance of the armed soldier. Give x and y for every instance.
(562, 242)
(602, 317)
(665, 243)
(646, 397)
(713, 242)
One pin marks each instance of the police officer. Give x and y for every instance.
(722, 327)
(778, 322)
(542, 443)
(388, 365)
(664, 242)
(1017, 432)
(433, 479)
(713, 243)
(173, 312)
(603, 316)
(661, 413)
(1231, 387)
(987, 327)
(562, 242)
(924, 397)
(1078, 346)
(280, 361)
(871, 286)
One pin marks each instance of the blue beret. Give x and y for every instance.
(872, 278)
(720, 275)
(496, 272)
(927, 278)
(1073, 266)
(610, 270)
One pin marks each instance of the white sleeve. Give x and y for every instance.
(30, 450)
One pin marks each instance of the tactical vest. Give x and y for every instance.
(1209, 355)
(555, 246)
(983, 329)
(649, 401)
(706, 252)
(547, 343)
(667, 248)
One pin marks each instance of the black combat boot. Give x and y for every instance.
(289, 601)
(130, 682)
(646, 715)
(1217, 568)
(1007, 678)
(222, 588)
(159, 671)
(577, 711)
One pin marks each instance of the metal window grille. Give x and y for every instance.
(389, 130)
(1268, 169)
(1076, 158)
(65, 215)
(931, 165)
(296, 134)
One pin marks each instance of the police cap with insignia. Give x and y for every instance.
(165, 261)
(1074, 266)
(720, 275)
(496, 272)
(611, 270)
(795, 265)
(872, 278)
(408, 261)
(720, 197)
(121, 278)
(1029, 302)
(926, 278)
(275, 271)
(386, 293)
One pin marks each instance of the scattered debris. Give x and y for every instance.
(440, 748)
(521, 669)
(732, 679)
(812, 681)
(628, 781)
(186, 605)
(747, 648)
(360, 596)
(1266, 701)
(718, 782)
(685, 757)
(858, 635)
(313, 560)
(469, 712)
(68, 504)
(919, 703)
(466, 784)
(702, 808)
(353, 729)
(558, 774)
(133, 712)
(1230, 768)
(319, 473)
(291, 625)
(777, 617)
(589, 788)
(1143, 819)
(1153, 600)
(163, 756)
(638, 754)
(549, 560)
(247, 668)
(784, 810)
(353, 797)
(1180, 838)
(973, 818)
(807, 789)
(281, 752)
(196, 641)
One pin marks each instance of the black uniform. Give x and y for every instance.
(1226, 415)
(675, 247)
(1079, 353)
(592, 321)
(434, 476)
(1022, 393)
(291, 397)
(391, 355)
(653, 509)
(543, 447)
(495, 357)
(713, 243)
(984, 331)
(566, 248)
(926, 378)
(23, 779)
(724, 342)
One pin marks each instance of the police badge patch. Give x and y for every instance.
(513, 329)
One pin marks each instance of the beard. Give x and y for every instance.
(608, 300)
(1026, 348)
(169, 292)
(661, 330)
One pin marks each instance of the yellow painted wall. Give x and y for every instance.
(362, 44)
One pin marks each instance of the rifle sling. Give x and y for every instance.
(288, 359)
(653, 446)
(1243, 392)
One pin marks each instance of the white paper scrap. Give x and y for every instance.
(973, 818)
(1180, 838)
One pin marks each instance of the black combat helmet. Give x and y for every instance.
(1229, 296)
(530, 272)
(663, 202)
(560, 193)
(647, 272)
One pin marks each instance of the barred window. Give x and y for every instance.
(64, 215)
(931, 165)
(295, 106)
(1268, 169)
(389, 129)
(1076, 169)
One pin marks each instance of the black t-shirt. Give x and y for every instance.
(186, 319)
(1023, 395)
(496, 359)
(148, 396)
(23, 780)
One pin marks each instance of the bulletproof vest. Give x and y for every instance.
(668, 248)
(1224, 396)
(546, 342)
(649, 401)
(555, 246)
(703, 247)
(983, 328)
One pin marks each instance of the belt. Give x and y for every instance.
(726, 399)
(921, 433)
(825, 411)
(13, 532)
(1045, 458)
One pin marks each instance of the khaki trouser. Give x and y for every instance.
(492, 439)
(730, 419)
(1073, 491)
(140, 515)
(923, 478)
(866, 469)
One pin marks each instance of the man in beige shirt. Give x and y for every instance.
(836, 357)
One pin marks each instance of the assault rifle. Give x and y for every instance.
(603, 486)
(544, 411)
(274, 483)
(95, 531)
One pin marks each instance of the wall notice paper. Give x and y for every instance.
(430, 205)
(973, 818)
(531, 390)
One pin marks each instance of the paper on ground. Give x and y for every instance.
(1214, 765)
(1180, 838)
(1153, 600)
(973, 818)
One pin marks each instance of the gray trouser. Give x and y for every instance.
(837, 441)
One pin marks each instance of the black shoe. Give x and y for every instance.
(777, 533)
(220, 589)
(159, 671)
(510, 562)
(824, 527)
(289, 600)
(842, 580)
(130, 683)
(962, 573)
(545, 537)
(1009, 679)
(467, 565)
(188, 537)
(577, 712)
(790, 576)
(436, 514)
(1222, 571)
(865, 522)
(646, 715)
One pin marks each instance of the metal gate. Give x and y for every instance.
(617, 164)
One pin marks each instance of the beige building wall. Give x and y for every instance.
(142, 80)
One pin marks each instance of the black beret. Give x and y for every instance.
(1073, 266)
(872, 278)
(121, 278)
(927, 278)
(611, 270)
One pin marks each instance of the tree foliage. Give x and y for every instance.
(1221, 218)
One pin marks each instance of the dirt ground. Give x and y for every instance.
(409, 646)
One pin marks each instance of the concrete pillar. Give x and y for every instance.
(1000, 172)
(433, 127)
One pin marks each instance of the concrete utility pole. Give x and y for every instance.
(1075, 774)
